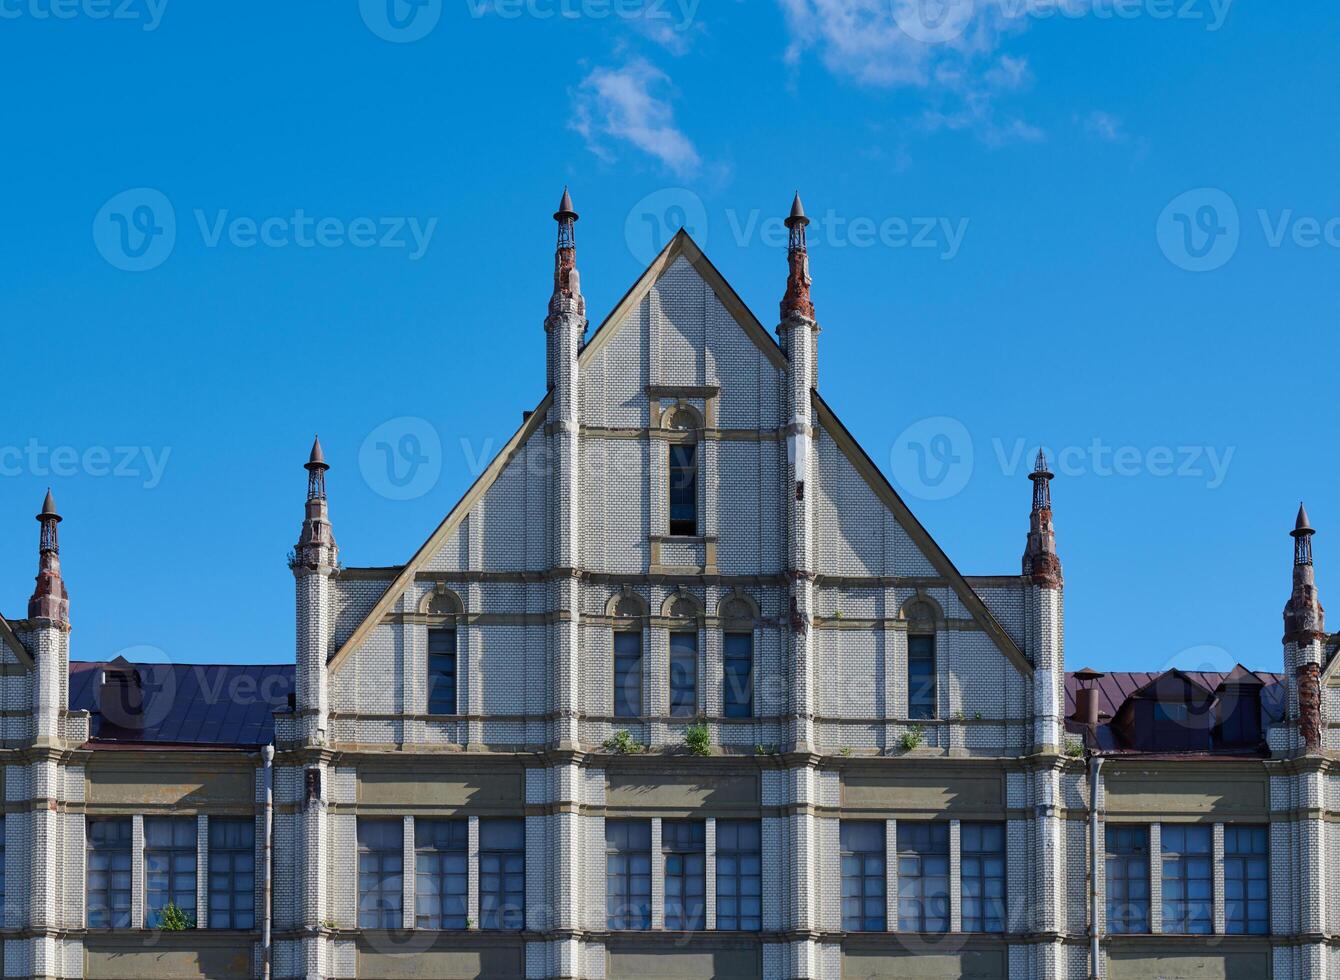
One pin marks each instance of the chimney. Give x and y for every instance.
(1087, 697)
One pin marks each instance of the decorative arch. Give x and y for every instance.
(626, 604)
(738, 608)
(921, 613)
(681, 417)
(682, 604)
(442, 601)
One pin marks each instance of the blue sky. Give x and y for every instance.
(1109, 229)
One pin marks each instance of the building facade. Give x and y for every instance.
(679, 689)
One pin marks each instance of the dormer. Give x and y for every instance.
(1238, 710)
(1172, 713)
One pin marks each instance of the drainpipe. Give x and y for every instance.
(267, 950)
(1095, 951)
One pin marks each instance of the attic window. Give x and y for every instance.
(1239, 717)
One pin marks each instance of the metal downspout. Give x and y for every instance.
(267, 949)
(1095, 950)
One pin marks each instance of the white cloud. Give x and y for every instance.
(1104, 126)
(631, 105)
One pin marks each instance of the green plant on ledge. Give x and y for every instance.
(173, 918)
(1074, 748)
(913, 737)
(621, 743)
(698, 739)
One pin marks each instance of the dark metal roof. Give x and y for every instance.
(1115, 688)
(214, 705)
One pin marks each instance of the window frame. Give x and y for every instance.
(1135, 858)
(684, 866)
(508, 912)
(682, 495)
(437, 701)
(118, 915)
(743, 879)
(1187, 864)
(1237, 867)
(633, 665)
(683, 701)
(923, 874)
(173, 890)
(990, 923)
(731, 704)
(441, 872)
(864, 876)
(236, 868)
(924, 704)
(628, 864)
(390, 865)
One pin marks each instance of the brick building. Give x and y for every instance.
(680, 688)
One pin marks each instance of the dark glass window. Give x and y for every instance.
(232, 873)
(1240, 717)
(921, 676)
(381, 874)
(1127, 878)
(683, 488)
(923, 876)
(739, 875)
(628, 874)
(169, 866)
(737, 653)
(2, 867)
(109, 874)
(982, 863)
(441, 671)
(864, 876)
(627, 674)
(441, 873)
(684, 848)
(1188, 878)
(502, 873)
(683, 674)
(1246, 880)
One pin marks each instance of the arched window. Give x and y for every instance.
(683, 473)
(683, 657)
(738, 616)
(921, 617)
(629, 612)
(443, 607)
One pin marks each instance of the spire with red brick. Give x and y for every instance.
(796, 302)
(49, 601)
(1041, 563)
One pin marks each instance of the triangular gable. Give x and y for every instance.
(883, 489)
(11, 640)
(1163, 684)
(683, 245)
(439, 537)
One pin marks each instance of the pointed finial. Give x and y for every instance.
(565, 211)
(1040, 471)
(1301, 526)
(49, 509)
(317, 459)
(797, 213)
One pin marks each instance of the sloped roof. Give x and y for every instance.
(213, 705)
(1115, 688)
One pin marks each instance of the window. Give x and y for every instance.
(169, 866)
(109, 874)
(1246, 880)
(628, 874)
(921, 675)
(683, 674)
(863, 876)
(2, 868)
(982, 864)
(502, 873)
(737, 654)
(684, 845)
(381, 874)
(441, 671)
(441, 873)
(739, 875)
(627, 674)
(683, 488)
(1240, 716)
(1127, 879)
(232, 873)
(923, 876)
(1188, 879)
